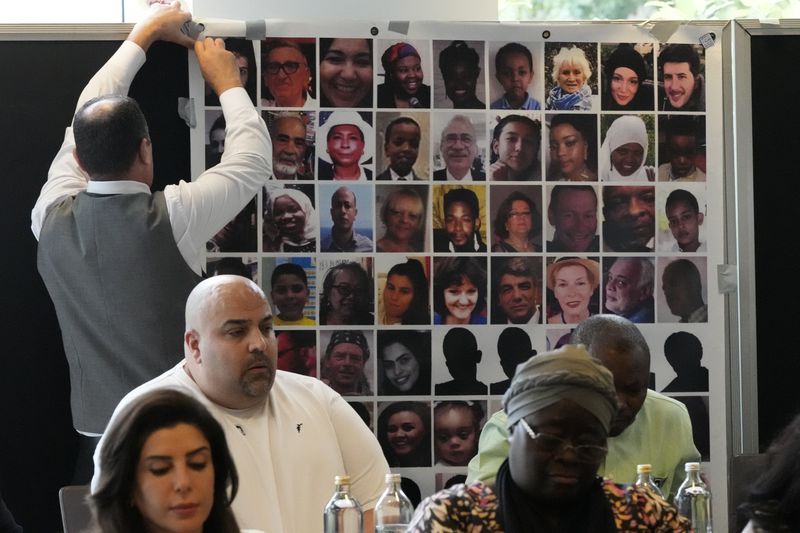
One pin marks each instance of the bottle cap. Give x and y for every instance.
(341, 480)
(393, 478)
(692, 467)
(644, 469)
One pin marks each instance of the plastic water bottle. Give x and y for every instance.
(394, 510)
(645, 480)
(693, 500)
(343, 514)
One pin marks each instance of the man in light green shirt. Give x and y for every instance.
(649, 427)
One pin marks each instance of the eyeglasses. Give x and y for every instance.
(585, 453)
(290, 67)
(344, 289)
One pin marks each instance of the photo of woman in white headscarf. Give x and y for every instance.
(349, 146)
(290, 222)
(623, 154)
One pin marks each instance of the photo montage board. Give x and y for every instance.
(440, 195)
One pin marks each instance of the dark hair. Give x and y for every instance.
(244, 48)
(680, 125)
(474, 408)
(684, 346)
(362, 299)
(682, 195)
(421, 456)
(231, 265)
(779, 482)
(399, 120)
(122, 447)
(534, 125)
(218, 124)
(586, 125)
(504, 209)
(463, 195)
(558, 189)
(680, 53)
(457, 52)
(419, 344)
(452, 271)
(107, 138)
(326, 42)
(418, 312)
(512, 48)
(288, 269)
(688, 274)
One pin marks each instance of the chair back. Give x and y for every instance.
(76, 517)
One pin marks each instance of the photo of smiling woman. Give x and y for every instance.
(345, 72)
(404, 294)
(290, 222)
(624, 152)
(346, 296)
(404, 432)
(570, 74)
(573, 147)
(403, 75)
(401, 211)
(459, 290)
(627, 77)
(404, 362)
(572, 294)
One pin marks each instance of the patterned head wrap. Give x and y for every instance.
(348, 336)
(396, 52)
(568, 373)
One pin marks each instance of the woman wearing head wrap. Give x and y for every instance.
(293, 220)
(625, 85)
(403, 74)
(624, 151)
(560, 406)
(348, 147)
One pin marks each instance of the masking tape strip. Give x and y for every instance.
(255, 29)
(399, 26)
(726, 278)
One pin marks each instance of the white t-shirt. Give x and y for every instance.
(287, 451)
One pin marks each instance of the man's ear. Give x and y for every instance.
(700, 218)
(192, 340)
(78, 159)
(146, 151)
(479, 355)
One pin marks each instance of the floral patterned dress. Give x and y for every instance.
(474, 509)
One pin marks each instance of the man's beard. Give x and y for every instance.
(287, 169)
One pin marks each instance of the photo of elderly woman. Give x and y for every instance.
(625, 154)
(404, 432)
(627, 77)
(403, 72)
(456, 430)
(400, 210)
(287, 72)
(573, 147)
(404, 362)
(403, 292)
(517, 225)
(571, 66)
(346, 296)
(345, 72)
(290, 221)
(459, 290)
(349, 144)
(572, 294)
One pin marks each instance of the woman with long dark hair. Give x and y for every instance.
(405, 295)
(404, 432)
(165, 467)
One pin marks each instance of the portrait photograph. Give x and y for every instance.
(403, 289)
(458, 146)
(404, 432)
(516, 75)
(345, 72)
(682, 211)
(571, 77)
(572, 219)
(246, 266)
(238, 235)
(346, 216)
(456, 430)
(242, 50)
(297, 351)
(629, 288)
(291, 285)
(288, 72)
(404, 362)
(517, 290)
(627, 149)
(681, 148)
(573, 289)
(404, 74)
(627, 72)
(459, 290)
(290, 218)
(459, 218)
(681, 77)
(402, 146)
(347, 364)
(629, 216)
(682, 293)
(347, 153)
(459, 75)
(516, 216)
(571, 142)
(401, 218)
(215, 136)
(346, 294)
(293, 135)
(680, 360)
(460, 355)
(515, 147)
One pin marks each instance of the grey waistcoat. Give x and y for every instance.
(119, 285)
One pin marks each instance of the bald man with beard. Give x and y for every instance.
(282, 428)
